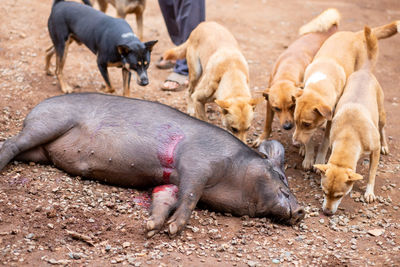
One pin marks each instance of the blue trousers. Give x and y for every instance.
(181, 17)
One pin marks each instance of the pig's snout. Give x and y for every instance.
(297, 216)
(297, 212)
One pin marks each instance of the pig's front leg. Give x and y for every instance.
(190, 191)
(164, 200)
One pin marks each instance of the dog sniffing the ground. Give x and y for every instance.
(125, 7)
(357, 128)
(342, 54)
(111, 39)
(288, 72)
(218, 72)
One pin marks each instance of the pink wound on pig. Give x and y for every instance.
(168, 138)
(168, 188)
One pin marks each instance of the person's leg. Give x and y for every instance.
(188, 14)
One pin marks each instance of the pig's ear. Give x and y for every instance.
(223, 103)
(321, 167)
(353, 176)
(274, 152)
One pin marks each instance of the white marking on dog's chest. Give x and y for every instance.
(315, 77)
(128, 34)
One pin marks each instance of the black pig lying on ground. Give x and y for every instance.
(131, 142)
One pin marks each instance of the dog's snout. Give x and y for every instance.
(144, 82)
(328, 212)
(287, 125)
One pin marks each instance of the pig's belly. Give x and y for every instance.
(105, 158)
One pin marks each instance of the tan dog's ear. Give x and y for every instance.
(223, 103)
(300, 85)
(324, 111)
(255, 101)
(321, 167)
(354, 176)
(298, 93)
(266, 93)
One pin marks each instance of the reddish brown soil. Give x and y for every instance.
(38, 204)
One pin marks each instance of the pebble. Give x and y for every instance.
(276, 261)
(376, 232)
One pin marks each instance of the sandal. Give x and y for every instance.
(175, 82)
(165, 64)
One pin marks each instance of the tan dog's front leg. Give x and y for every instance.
(323, 148)
(369, 195)
(269, 117)
(382, 122)
(199, 109)
(309, 155)
(139, 23)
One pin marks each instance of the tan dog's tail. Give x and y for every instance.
(372, 48)
(322, 23)
(178, 52)
(387, 30)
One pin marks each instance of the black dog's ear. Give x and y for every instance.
(123, 49)
(149, 45)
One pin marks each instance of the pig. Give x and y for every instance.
(138, 143)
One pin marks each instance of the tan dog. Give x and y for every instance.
(288, 71)
(340, 55)
(357, 128)
(125, 7)
(217, 71)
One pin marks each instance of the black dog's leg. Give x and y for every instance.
(61, 55)
(126, 79)
(49, 54)
(104, 73)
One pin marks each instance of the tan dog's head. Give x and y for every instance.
(336, 182)
(281, 97)
(237, 115)
(310, 113)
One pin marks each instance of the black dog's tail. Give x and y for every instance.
(86, 2)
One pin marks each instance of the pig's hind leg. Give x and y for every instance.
(27, 144)
(164, 200)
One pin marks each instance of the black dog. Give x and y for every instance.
(111, 39)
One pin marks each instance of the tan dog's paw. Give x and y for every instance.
(190, 110)
(308, 163)
(384, 150)
(67, 89)
(258, 142)
(302, 150)
(49, 72)
(369, 195)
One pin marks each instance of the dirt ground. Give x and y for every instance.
(40, 204)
